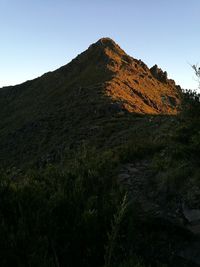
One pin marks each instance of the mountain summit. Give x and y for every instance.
(127, 81)
(98, 84)
(136, 87)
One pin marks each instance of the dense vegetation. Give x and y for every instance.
(80, 215)
(58, 218)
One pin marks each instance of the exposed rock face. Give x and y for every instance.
(127, 80)
(159, 74)
(138, 88)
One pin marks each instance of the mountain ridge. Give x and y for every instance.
(128, 80)
(60, 108)
(136, 96)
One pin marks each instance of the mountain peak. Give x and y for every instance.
(101, 83)
(107, 43)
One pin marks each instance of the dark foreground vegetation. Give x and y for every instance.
(80, 214)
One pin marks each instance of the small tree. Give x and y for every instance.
(196, 69)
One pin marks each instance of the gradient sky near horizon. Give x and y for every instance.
(41, 35)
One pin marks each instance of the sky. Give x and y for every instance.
(42, 35)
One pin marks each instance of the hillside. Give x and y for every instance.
(100, 166)
(42, 119)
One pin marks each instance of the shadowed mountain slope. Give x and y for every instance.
(62, 107)
(99, 167)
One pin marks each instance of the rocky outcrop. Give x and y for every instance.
(159, 74)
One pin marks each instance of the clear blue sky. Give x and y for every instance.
(40, 36)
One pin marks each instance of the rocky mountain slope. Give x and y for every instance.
(100, 166)
(136, 87)
(66, 106)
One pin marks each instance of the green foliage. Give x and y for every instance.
(132, 262)
(178, 167)
(55, 218)
(112, 238)
(77, 216)
(187, 135)
(75, 213)
(138, 148)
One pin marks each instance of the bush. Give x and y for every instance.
(55, 218)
